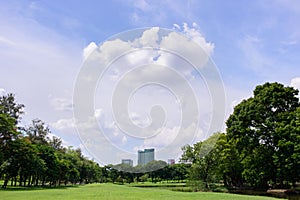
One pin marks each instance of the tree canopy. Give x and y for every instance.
(261, 146)
(28, 156)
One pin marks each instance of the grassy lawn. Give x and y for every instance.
(110, 191)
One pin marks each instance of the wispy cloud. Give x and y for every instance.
(6, 41)
(158, 12)
(62, 104)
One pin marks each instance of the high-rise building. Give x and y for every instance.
(171, 161)
(127, 162)
(145, 156)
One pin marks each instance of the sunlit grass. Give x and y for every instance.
(111, 191)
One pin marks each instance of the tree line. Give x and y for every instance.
(260, 149)
(29, 157)
(155, 171)
(261, 146)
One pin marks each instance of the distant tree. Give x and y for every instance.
(144, 178)
(177, 172)
(155, 170)
(30, 157)
(204, 158)
(56, 143)
(38, 132)
(9, 106)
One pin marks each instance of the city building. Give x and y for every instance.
(127, 162)
(171, 161)
(145, 156)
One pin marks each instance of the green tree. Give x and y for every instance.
(261, 126)
(204, 158)
(10, 112)
(229, 167)
(177, 172)
(287, 152)
(7, 133)
(9, 106)
(38, 133)
(155, 170)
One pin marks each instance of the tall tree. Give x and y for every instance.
(10, 112)
(9, 106)
(257, 125)
(38, 132)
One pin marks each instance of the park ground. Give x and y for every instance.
(114, 191)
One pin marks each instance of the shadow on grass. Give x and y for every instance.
(17, 188)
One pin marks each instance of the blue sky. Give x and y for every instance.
(42, 44)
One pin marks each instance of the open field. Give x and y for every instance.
(111, 191)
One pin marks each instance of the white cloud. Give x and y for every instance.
(142, 5)
(233, 104)
(289, 42)
(149, 37)
(37, 62)
(147, 13)
(63, 124)
(295, 82)
(112, 49)
(62, 104)
(124, 140)
(138, 120)
(169, 141)
(98, 113)
(256, 59)
(6, 41)
(89, 49)
(164, 137)
(271, 65)
(2, 91)
(144, 93)
(176, 26)
(115, 74)
(186, 48)
(195, 34)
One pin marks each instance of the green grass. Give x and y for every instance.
(111, 192)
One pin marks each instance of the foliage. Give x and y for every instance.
(205, 160)
(261, 147)
(265, 131)
(28, 157)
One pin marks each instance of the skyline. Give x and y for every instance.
(43, 45)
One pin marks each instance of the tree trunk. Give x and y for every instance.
(21, 179)
(25, 181)
(37, 180)
(29, 181)
(5, 182)
(33, 179)
(43, 182)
